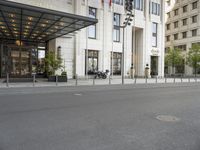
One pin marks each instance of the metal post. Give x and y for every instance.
(181, 79)
(174, 79)
(135, 80)
(7, 79)
(146, 80)
(165, 79)
(123, 58)
(109, 80)
(56, 80)
(76, 80)
(33, 79)
(195, 79)
(156, 79)
(189, 79)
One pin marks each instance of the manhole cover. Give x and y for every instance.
(167, 118)
(78, 94)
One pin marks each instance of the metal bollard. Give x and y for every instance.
(165, 80)
(156, 79)
(109, 80)
(189, 79)
(146, 80)
(181, 79)
(174, 80)
(7, 79)
(93, 81)
(33, 79)
(135, 80)
(56, 80)
(195, 79)
(76, 80)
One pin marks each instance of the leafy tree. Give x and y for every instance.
(173, 58)
(52, 63)
(193, 57)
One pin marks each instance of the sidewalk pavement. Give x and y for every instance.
(92, 82)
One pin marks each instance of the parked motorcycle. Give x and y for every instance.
(101, 74)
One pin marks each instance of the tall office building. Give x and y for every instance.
(182, 29)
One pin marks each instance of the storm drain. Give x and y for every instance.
(167, 118)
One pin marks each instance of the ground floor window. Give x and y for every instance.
(197, 70)
(91, 61)
(180, 69)
(116, 60)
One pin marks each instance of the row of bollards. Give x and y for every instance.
(109, 80)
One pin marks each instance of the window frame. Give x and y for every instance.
(95, 26)
(185, 8)
(194, 19)
(194, 5)
(184, 34)
(167, 38)
(185, 21)
(196, 30)
(176, 12)
(116, 28)
(155, 34)
(176, 36)
(175, 24)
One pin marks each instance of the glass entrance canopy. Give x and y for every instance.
(34, 24)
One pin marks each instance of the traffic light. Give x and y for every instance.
(129, 5)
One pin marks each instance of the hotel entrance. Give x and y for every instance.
(22, 61)
(25, 34)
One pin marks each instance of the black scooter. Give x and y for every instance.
(101, 74)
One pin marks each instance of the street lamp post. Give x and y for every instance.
(127, 21)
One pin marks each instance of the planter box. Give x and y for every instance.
(60, 78)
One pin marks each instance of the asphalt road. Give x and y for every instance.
(100, 118)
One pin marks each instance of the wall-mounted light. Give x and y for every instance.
(59, 52)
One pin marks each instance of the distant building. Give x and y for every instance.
(99, 47)
(182, 29)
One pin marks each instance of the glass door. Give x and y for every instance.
(20, 62)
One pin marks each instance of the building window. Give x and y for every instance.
(175, 12)
(176, 36)
(168, 38)
(184, 21)
(176, 24)
(182, 47)
(184, 35)
(184, 8)
(194, 32)
(116, 61)
(194, 5)
(194, 19)
(154, 34)
(116, 24)
(119, 2)
(168, 26)
(138, 4)
(92, 28)
(180, 68)
(92, 62)
(167, 49)
(155, 9)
